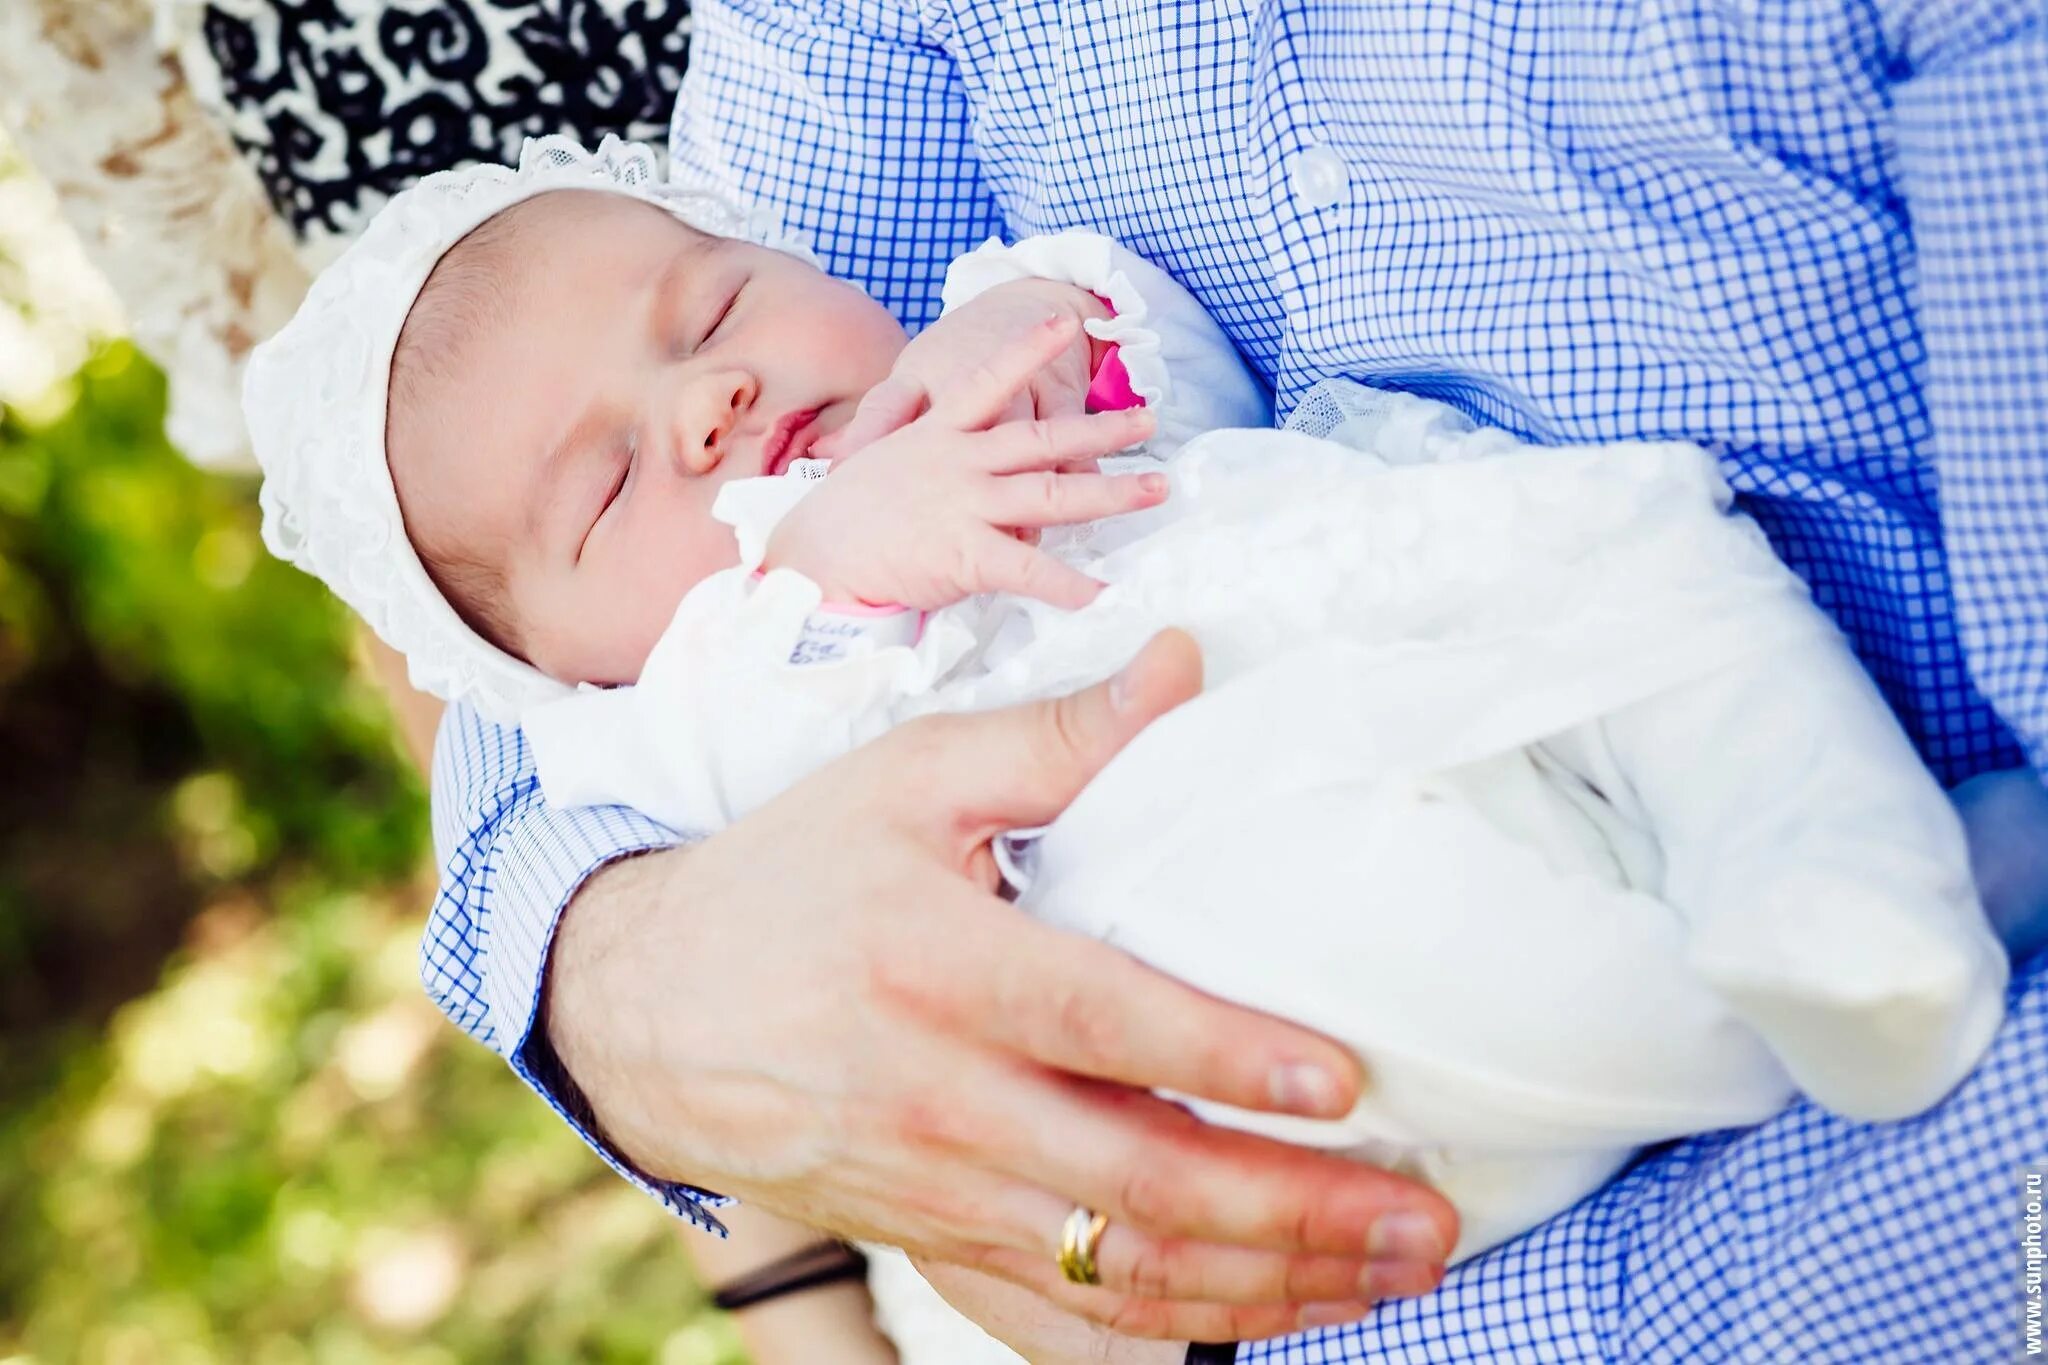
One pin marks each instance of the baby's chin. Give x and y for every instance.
(583, 663)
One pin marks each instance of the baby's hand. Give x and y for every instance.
(956, 351)
(926, 516)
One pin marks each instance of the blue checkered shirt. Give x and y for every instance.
(1812, 236)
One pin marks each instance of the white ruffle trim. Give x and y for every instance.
(1178, 360)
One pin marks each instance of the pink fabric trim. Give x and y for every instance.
(1109, 389)
(871, 611)
(867, 610)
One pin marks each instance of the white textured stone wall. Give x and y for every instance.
(162, 207)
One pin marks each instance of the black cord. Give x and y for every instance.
(821, 1263)
(1212, 1353)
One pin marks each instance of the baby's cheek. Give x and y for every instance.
(862, 341)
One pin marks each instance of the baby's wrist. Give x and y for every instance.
(788, 549)
(838, 596)
(1071, 300)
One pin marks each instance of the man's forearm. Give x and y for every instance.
(584, 1040)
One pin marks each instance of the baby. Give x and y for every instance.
(1466, 791)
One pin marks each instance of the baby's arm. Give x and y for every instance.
(1823, 872)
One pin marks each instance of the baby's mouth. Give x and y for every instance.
(789, 439)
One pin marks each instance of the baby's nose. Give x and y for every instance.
(723, 399)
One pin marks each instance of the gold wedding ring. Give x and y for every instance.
(1078, 1239)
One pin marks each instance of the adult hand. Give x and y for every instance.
(1047, 1334)
(827, 1011)
(2005, 815)
(1038, 1331)
(954, 355)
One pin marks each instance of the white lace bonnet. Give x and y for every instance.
(315, 402)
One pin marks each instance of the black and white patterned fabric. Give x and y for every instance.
(339, 104)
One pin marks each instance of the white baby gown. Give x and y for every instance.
(1530, 774)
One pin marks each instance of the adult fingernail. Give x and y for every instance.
(1398, 1279)
(1331, 1314)
(1407, 1237)
(1301, 1088)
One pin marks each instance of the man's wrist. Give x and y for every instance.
(544, 1065)
(593, 933)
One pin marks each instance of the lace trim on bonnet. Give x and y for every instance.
(315, 400)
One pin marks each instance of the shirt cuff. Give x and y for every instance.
(543, 861)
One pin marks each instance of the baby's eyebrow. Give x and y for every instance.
(663, 302)
(679, 291)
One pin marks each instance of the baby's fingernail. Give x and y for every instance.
(1153, 485)
(1407, 1236)
(1301, 1088)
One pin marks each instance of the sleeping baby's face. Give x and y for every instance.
(577, 380)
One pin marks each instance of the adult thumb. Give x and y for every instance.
(1030, 761)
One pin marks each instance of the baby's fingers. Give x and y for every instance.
(1005, 564)
(1059, 442)
(1056, 499)
(893, 403)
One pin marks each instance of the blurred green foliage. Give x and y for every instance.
(168, 693)
(231, 1127)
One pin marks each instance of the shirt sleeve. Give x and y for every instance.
(851, 125)
(509, 864)
(1972, 135)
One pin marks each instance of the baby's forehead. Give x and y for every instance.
(481, 282)
(542, 220)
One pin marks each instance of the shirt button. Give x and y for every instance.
(1319, 177)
